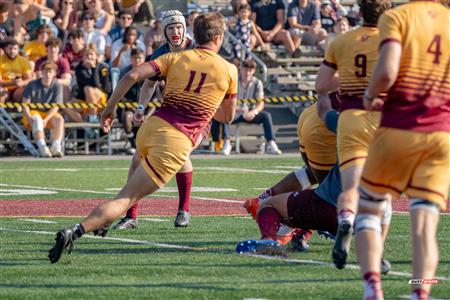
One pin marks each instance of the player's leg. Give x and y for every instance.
(369, 240)
(424, 222)
(57, 134)
(184, 184)
(130, 219)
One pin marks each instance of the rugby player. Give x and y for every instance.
(174, 27)
(201, 85)
(410, 152)
(353, 56)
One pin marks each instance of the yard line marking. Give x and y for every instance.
(38, 221)
(153, 220)
(241, 170)
(206, 249)
(41, 170)
(194, 189)
(57, 189)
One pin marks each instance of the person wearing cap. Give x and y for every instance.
(45, 90)
(173, 24)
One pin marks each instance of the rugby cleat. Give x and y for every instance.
(182, 219)
(263, 247)
(326, 234)
(385, 266)
(101, 232)
(341, 247)
(252, 205)
(126, 223)
(299, 242)
(64, 240)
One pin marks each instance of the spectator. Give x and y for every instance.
(6, 22)
(326, 17)
(15, 73)
(339, 10)
(340, 26)
(35, 49)
(45, 90)
(103, 19)
(154, 37)
(269, 17)
(92, 35)
(94, 84)
(121, 49)
(125, 115)
(125, 20)
(190, 20)
(236, 5)
(73, 51)
(53, 46)
(304, 22)
(249, 88)
(143, 10)
(66, 17)
(29, 17)
(246, 33)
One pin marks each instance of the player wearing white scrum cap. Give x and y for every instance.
(176, 36)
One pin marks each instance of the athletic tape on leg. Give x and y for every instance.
(368, 222)
(371, 200)
(417, 203)
(302, 177)
(38, 124)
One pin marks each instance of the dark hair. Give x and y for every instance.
(125, 12)
(42, 28)
(136, 51)
(371, 10)
(87, 14)
(207, 26)
(249, 63)
(245, 6)
(4, 7)
(52, 42)
(75, 33)
(10, 41)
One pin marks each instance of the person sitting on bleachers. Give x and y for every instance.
(73, 51)
(103, 19)
(36, 49)
(125, 115)
(340, 26)
(53, 48)
(92, 35)
(121, 49)
(154, 37)
(6, 22)
(249, 87)
(93, 85)
(45, 90)
(15, 73)
(326, 17)
(269, 17)
(304, 22)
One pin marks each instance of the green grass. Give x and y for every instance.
(114, 269)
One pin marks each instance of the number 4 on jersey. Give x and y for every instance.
(191, 80)
(435, 48)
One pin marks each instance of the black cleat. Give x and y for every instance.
(64, 240)
(385, 266)
(341, 247)
(182, 219)
(101, 232)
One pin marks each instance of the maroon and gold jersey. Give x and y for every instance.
(197, 81)
(353, 55)
(419, 100)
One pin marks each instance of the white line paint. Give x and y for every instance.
(239, 170)
(41, 170)
(194, 189)
(38, 221)
(182, 247)
(57, 189)
(24, 192)
(153, 220)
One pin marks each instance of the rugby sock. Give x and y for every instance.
(184, 183)
(77, 231)
(269, 222)
(132, 212)
(419, 294)
(266, 194)
(372, 286)
(347, 215)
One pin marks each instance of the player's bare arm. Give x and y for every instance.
(135, 75)
(323, 105)
(384, 75)
(226, 111)
(327, 80)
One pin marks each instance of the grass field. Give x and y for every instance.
(157, 261)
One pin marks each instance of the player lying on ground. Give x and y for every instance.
(200, 85)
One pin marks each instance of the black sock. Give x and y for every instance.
(78, 231)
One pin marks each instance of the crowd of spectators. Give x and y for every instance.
(86, 39)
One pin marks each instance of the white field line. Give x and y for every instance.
(153, 220)
(38, 221)
(240, 170)
(57, 189)
(181, 247)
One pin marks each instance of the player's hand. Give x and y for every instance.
(375, 104)
(138, 118)
(107, 118)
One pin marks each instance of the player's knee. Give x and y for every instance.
(367, 222)
(302, 177)
(38, 124)
(423, 204)
(371, 201)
